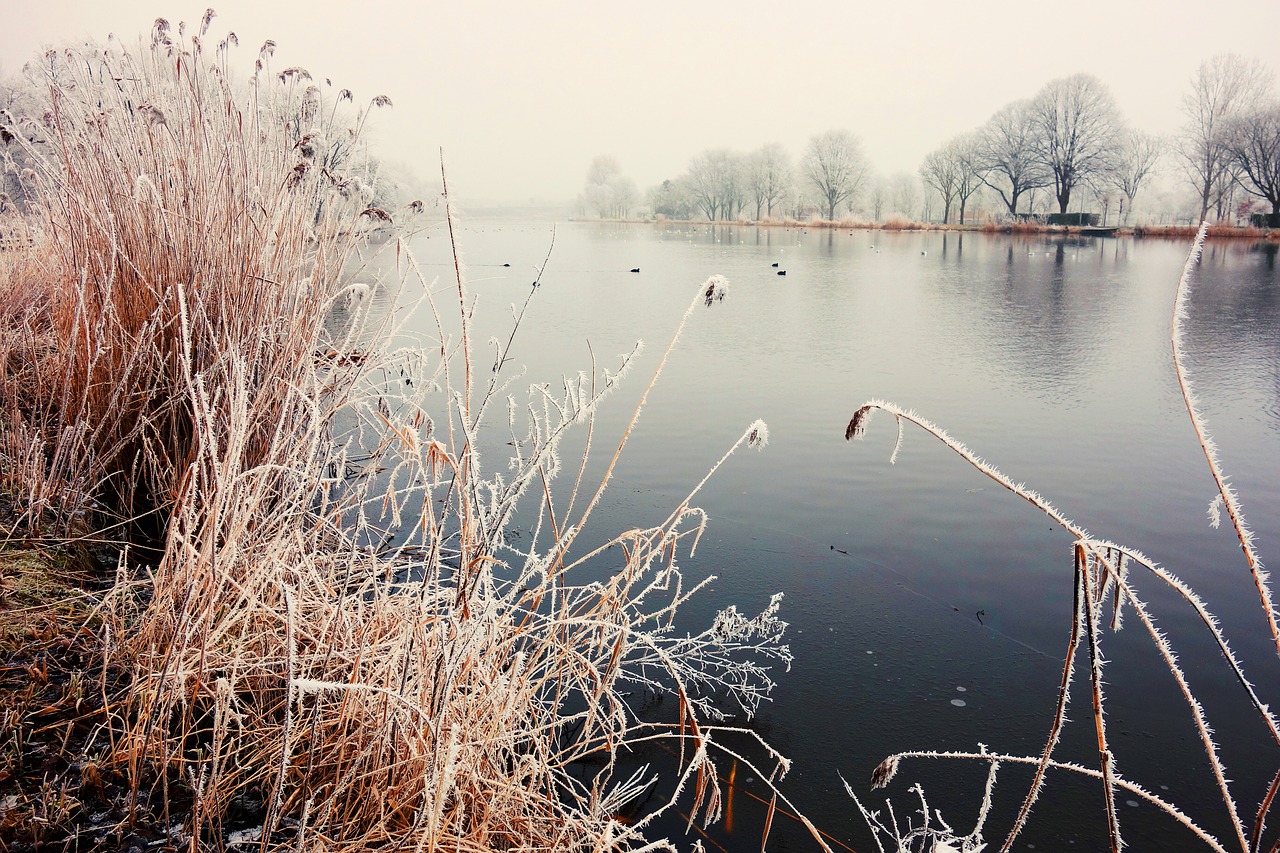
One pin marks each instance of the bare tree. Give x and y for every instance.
(952, 170)
(608, 193)
(926, 208)
(965, 150)
(1075, 122)
(734, 189)
(1007, 158)
(623, 198)
(603, 169)
(703, 183)
(1224, 191)
(1136, 157)
(940, 171)
(879, 195)
(715, 181)
(768, 177)
(1253, 141)
(904, 194)
(835, 165)
(1224, 87)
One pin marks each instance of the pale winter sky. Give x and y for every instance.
(522, 95)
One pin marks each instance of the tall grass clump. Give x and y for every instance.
(1108, 577)
(326, 637)
(1214, 232)
(1015, 226)
(902, 223)
(184, 232)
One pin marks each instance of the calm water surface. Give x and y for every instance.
(912, 585)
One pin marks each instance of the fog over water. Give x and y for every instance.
(522, 96)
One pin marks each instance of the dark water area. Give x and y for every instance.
(930, 608)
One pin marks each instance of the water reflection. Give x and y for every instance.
(1231, 330)
(1035, 310)
(958, 242)
(1268, 250)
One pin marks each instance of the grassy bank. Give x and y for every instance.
(317, 634)
(51, 697)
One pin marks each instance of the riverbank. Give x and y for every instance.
(54, 700)
(1168, 232)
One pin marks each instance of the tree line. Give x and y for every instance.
(1065, 144)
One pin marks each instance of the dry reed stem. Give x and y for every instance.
(1226, 493)
(1105, 758)
(1059, 718)
(1120, 782)
(711, 291)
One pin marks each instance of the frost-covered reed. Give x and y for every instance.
(327, 639)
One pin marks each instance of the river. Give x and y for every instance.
(929, 607)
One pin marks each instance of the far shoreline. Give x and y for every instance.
(1168, 232)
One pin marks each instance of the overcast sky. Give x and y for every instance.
(522, 95)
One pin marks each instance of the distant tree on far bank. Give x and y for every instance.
(717, 183)
(1136, 157)
(1223, 88)
(670, 199)
(1076, 124)
(1067, 148)
(836, 167)
(878, 197)
(953, 171)
(768, 177)
(608, 193)
(1006, 157)
(904, 195)
(1254, 144)
(966, 151)
(939, 172)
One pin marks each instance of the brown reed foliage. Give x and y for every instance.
(1213, 232)
(900, 223)
(336, 645)
(1018, 226)
(172, 219)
